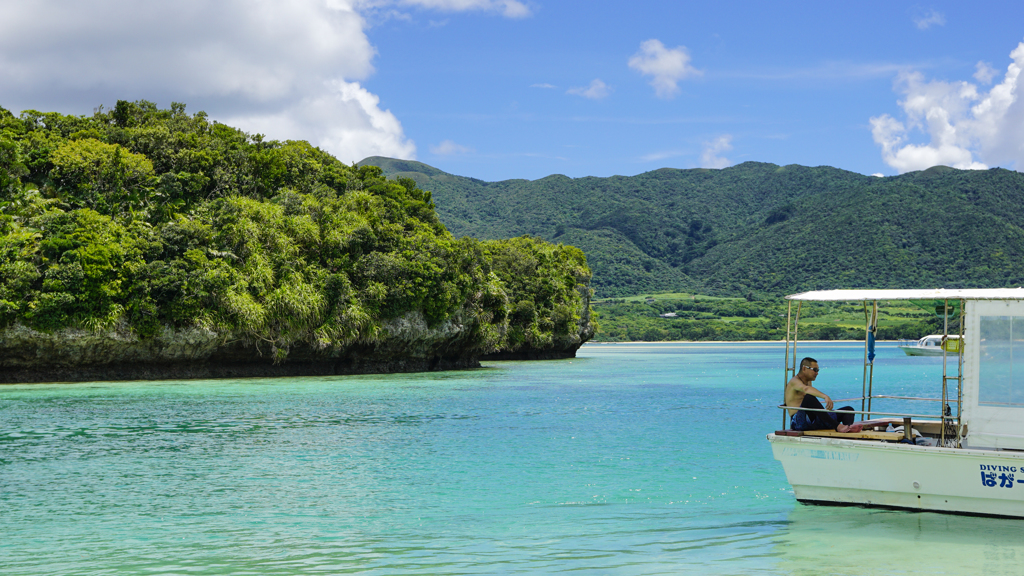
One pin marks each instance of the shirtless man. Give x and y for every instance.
(801, 394)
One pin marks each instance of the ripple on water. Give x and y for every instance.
(631, 461)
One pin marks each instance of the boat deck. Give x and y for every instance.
(864, 435)
(875, 430)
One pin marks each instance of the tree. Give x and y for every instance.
(104, 177)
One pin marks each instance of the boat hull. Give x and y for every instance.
(957, 480)
(922, 351)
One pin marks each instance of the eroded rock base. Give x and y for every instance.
(205, 370)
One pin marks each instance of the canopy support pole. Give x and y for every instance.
(960, 371)
(949, 431)
(864, 377)
(869, 356)
(943, 343)
(785, 374)
(795, 367)
(796, 337)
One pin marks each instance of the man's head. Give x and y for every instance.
(808, 369)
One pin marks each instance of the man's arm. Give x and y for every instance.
(808, 389)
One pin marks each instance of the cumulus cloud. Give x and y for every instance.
(965, 127)
(448, 148)
(345, 120)
(595, 91)
(878, 175)
(666, 67)
(290, 70)
(925, 20)
(545, 85)
(710, 158)
(984, 72)
(256, 50)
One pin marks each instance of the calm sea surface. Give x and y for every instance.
(631, 459)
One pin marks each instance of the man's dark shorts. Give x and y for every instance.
(802, 421)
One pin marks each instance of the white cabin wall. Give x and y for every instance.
(990, 426)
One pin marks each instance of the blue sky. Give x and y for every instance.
(498, 89)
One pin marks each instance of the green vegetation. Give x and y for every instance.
(718, 319)
(663, 296)
(139, 218)
(755, 230)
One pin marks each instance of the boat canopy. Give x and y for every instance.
(928, 294)
(985, 380)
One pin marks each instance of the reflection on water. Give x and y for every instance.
(823, 540)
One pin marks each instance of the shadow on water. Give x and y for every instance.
(820, 540)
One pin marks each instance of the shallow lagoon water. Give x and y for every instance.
(631, 459)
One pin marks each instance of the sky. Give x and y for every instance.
(501, 89)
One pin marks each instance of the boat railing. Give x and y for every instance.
(948, 400)
(876, 396)
(949, 419)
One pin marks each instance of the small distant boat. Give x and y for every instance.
(930, 345)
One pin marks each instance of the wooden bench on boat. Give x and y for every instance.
(863, 435)
(870, 431)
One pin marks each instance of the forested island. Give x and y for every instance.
(141, 242)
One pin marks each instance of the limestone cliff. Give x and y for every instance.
(406, 344)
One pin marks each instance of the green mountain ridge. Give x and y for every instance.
(754, 229)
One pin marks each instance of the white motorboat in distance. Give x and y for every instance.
(930, 345)
(964, 454)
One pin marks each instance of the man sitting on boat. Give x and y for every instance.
(801, 394)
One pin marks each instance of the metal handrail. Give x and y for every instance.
(836, 401)
(875, 412)
(916, 398)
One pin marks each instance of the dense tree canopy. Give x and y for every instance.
(140, 218)
(756, 229)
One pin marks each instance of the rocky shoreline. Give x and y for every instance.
(70, 355)
(213, 369)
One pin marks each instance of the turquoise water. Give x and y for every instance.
(631, 459)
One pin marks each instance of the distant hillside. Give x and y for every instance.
(756, 228)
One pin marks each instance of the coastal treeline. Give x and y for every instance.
(736, 319)
(140, 219)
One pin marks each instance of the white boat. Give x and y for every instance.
(976, 465)
(931, 345)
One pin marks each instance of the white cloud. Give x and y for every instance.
(925, 20)
(448, 148)
(346, 120)
(832, 70)
(965, 128)
(545, 85)
(665, 154)
(507, 8)
(878, 175)
(595, 91)
(290, 70)
(665, 67)
(256, 50)
(985, 72)
(710, 158)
